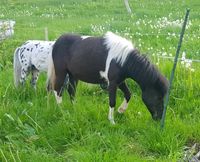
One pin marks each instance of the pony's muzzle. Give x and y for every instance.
(156, 117)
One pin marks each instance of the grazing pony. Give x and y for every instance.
(32, 56)
(107, 59)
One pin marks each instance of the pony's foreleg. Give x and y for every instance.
(35, 74)
(112, 101)
(127, 95)
(24, 73)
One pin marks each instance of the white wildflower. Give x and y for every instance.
(30, 103)
(183, 58)
(192, 70)
(188, 63)
(164, 54)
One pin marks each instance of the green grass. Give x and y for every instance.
(34, 128)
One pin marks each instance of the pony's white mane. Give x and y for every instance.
(118, 48)
(85, 36)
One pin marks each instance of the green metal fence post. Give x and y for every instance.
(174, 68)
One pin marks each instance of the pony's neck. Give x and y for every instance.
(140, 69)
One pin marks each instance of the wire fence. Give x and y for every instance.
(7, 30)
(179, 59)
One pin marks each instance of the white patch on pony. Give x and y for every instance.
(36, 52)
(85, 37)
(58, 98)
(111, 115)
(40, 57)
(123, 106)
(118, 48)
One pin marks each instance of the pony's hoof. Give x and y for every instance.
(121, 110)
(112, 122)
(73, 102)
(58, 100)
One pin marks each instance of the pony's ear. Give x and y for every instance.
(162, 85)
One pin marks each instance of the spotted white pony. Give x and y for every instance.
(31, 57)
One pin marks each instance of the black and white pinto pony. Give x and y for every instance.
(107, 59)
(32, 56)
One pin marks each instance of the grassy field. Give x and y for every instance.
(33, 128)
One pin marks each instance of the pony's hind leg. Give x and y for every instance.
(35, 74)
(72, 87)
(59, 85)
(112, 88)
(24, 74)
(127, 95)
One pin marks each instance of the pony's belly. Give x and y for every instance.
(87, 70)
(100, 81)
(90, 78)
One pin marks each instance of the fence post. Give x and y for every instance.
(174, 68)
(127, 6)
(46, 34)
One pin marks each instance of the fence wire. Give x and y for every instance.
(7, 30)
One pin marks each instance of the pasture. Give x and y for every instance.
(34, 128)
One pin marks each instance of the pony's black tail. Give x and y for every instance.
(17, 67)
